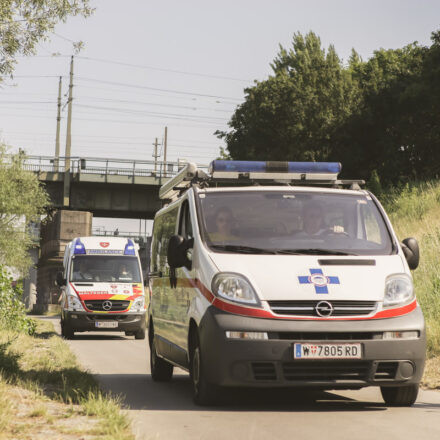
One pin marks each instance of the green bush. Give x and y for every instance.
(12, 312)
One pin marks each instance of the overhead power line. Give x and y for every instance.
(161, 69)
(143, 66)
(81, 78)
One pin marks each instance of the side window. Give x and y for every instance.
(155, 245)
(370, 225)
(185, 224)
(169, 221)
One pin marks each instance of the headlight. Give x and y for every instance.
(138, 304)
(398, 290)
(234, 287)
(74, 304)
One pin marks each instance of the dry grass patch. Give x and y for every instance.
(46, 394)
(431, 378)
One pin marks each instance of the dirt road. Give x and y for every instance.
(166, 411)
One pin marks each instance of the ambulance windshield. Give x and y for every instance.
(317, 223)
(103, 268)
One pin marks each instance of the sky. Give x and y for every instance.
(181, 64)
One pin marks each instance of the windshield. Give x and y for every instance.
(293, 222)
(105, 269)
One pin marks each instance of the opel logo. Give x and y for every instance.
(107, 305)
(324, 309)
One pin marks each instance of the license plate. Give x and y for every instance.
(327, 351)
(106, 324)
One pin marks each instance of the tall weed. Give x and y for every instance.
(414, 210)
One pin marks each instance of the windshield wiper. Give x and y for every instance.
(313, 251)
(242, 249)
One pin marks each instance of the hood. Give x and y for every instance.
(115, 291)
(305, 277)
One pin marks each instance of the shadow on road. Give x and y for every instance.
(139, 392)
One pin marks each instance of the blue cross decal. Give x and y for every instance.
(319, 280)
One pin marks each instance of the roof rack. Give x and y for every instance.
(256, 172)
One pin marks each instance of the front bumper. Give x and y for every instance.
(270, 363)
(85, 321)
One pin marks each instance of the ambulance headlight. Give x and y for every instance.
(399, 289)
(234, 287)
(138, 305)
(74, 304)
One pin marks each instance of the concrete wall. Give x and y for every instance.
(56, 233)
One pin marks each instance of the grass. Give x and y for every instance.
(43, 390)
(415, 212)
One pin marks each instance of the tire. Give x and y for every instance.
(400, 396)
(204, 393)
(66, 331)
(161, 370)
(139, 334)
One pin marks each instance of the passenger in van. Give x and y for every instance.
(82, 273)
(224, 221)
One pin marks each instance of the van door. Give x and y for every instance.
(162, 298)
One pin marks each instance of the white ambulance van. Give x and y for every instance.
(102, 287)
(277, 274)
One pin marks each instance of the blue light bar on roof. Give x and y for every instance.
(129, 248)
(275, 170)
(78, 247)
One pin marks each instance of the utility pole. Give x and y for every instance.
(155, 155)
(66, 192)
(165, 151)
(57, 140)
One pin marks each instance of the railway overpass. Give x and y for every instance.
(118, 188)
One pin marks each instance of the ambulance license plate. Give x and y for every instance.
(106, 324)
(326, 351)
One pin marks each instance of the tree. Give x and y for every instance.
(23, 23)
(293, 114)
(22, 200)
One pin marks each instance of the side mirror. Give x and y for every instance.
(410, 249)
(60, 281)
(178, 252)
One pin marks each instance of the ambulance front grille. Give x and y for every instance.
(97, 305)
(308, 308)
(325, 371)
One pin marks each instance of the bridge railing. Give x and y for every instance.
(95, 165)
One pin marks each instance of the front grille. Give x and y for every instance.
(324, 371)
(321, 336)
(264, 371)
(308, 308)
(96, 305)
(386, 370)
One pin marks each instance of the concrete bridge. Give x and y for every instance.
(105, 187)
(80, 188)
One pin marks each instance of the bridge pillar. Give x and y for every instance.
(56, 233)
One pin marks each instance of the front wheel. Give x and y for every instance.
(139, 334)
(404, 395)
(66, 330)
(205, 393)
(161, 370)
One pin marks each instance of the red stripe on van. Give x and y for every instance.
(262, 313)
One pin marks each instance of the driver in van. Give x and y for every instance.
(124, 273)
(223, 224)
(314, 223)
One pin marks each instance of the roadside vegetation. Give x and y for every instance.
(414, 211)
(45, 394)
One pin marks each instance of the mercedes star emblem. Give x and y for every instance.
(107, 305)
